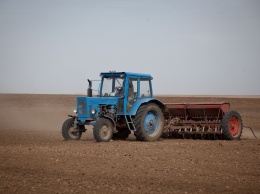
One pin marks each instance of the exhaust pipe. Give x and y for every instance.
(89, 91)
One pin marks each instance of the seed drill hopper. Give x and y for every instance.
(205, 120)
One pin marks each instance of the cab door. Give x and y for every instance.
(131, 93)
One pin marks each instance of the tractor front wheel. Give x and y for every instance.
(232, 125)
(149, 122)
(103, 130)
(69, 132)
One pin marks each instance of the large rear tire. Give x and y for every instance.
(69, 132)
(103, 130)
(149, 122)
(232, 125)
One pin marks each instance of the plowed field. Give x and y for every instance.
(35, 159)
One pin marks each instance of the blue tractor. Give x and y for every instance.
(124, 104)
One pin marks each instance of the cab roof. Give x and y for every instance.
(124, 74)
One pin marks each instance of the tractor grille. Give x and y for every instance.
(81, 106)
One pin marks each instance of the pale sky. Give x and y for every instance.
(195, 47)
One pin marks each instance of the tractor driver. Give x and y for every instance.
(120, 91)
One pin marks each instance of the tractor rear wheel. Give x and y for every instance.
(69, 132)
(232, 125)
(103, 130)
(149, 122)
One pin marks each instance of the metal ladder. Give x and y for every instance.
(130, 123)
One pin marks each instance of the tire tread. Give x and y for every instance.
(224, 125)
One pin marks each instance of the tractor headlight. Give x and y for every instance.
(93, 111)
(75, 110)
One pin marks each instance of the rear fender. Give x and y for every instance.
(139, 102)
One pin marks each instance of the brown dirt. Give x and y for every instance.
(35, 159)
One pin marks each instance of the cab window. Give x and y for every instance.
(145, 89)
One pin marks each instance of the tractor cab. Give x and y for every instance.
(127, 87)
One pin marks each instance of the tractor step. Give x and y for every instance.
(130, 123)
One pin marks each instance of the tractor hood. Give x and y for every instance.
(88, 107)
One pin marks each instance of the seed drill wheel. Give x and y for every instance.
(103, 130)
(69, 132)
(149, 122)
(232, 125)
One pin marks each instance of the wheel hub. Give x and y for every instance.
(151, 123)
(73, 131)
(104, 130)
(233, 126)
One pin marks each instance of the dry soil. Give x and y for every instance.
(35, 159)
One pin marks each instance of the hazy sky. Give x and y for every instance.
(207, 47)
